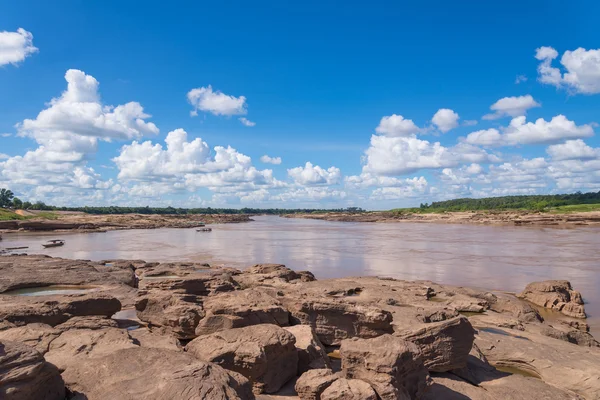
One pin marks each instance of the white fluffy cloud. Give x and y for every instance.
(397, 126)
(189, 165)
(572, 150)
(582, 69)
(313, 175)
(270, 160)
(413, 187)
(15, 46)
(401, 155)
(245, 121)
(216, 102)
(79, 112)
(445, 119)
(521, 132)
(514, 106)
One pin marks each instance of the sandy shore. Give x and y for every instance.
(513, 218)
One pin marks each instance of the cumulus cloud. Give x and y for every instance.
(445, 119)
(313, 175)
(216, 102)
(397, 126)
(511, 107)
(79, 112)
(582, 69)
(401, 155)
(5, 134)
(521, 132)
(572, 150)
(413, 187)
(189, 165)
(3, 156)
(245, 121)
(15, 46)
(270, 160)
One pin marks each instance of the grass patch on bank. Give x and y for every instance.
(7, 215)
(575, 208)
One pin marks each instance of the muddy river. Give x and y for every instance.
(491, 257)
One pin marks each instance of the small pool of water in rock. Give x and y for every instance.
(52, 290)
(516, 371)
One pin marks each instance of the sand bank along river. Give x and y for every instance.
(491, 257)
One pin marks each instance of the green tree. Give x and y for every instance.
(6, 196)
(17, 203)
(26, 205)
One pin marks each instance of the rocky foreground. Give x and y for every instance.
(139, 330)
(515, 218)
(83, 222)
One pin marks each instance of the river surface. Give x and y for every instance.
(490, 257)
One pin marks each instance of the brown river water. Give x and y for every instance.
(491, 257)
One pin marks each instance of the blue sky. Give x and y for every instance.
(351, 89)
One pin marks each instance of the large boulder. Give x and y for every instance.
(25, 375)
(157, 374)
(54, 310)
(201, 284)
(335, 320)
(393, 366)
(349, 389)
(271, 274)
(444, 345)
(265, 354)
(239, 309)
(313, 383)
(311, 354)
(178, 313)
(556, 295)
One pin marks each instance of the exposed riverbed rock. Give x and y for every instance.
(25, 375)
(349, 389)
(38, 336)
(265, 354)
(556, 295)
(178, 313)
(313, 383)
(271, 274)
(54, 310)
(239, 309)
(392, 366)
(564, 365)
(76, 345)
(444, 345)
(335, 320)
(142, 374)
(311, 354)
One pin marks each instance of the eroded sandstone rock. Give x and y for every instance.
(265, 354)
(349, 389)
(239, 309)
(25, 375)
(556, 295)
(178, 313)
(392, 366)
(313, 383)
(311, 354)
(55, 310)
(444, 345)
(157, 374)
(335, 320)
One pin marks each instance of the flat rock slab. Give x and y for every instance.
(265, 354)
(142, 374)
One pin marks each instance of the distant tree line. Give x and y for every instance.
(533, 202)
(8, 200)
